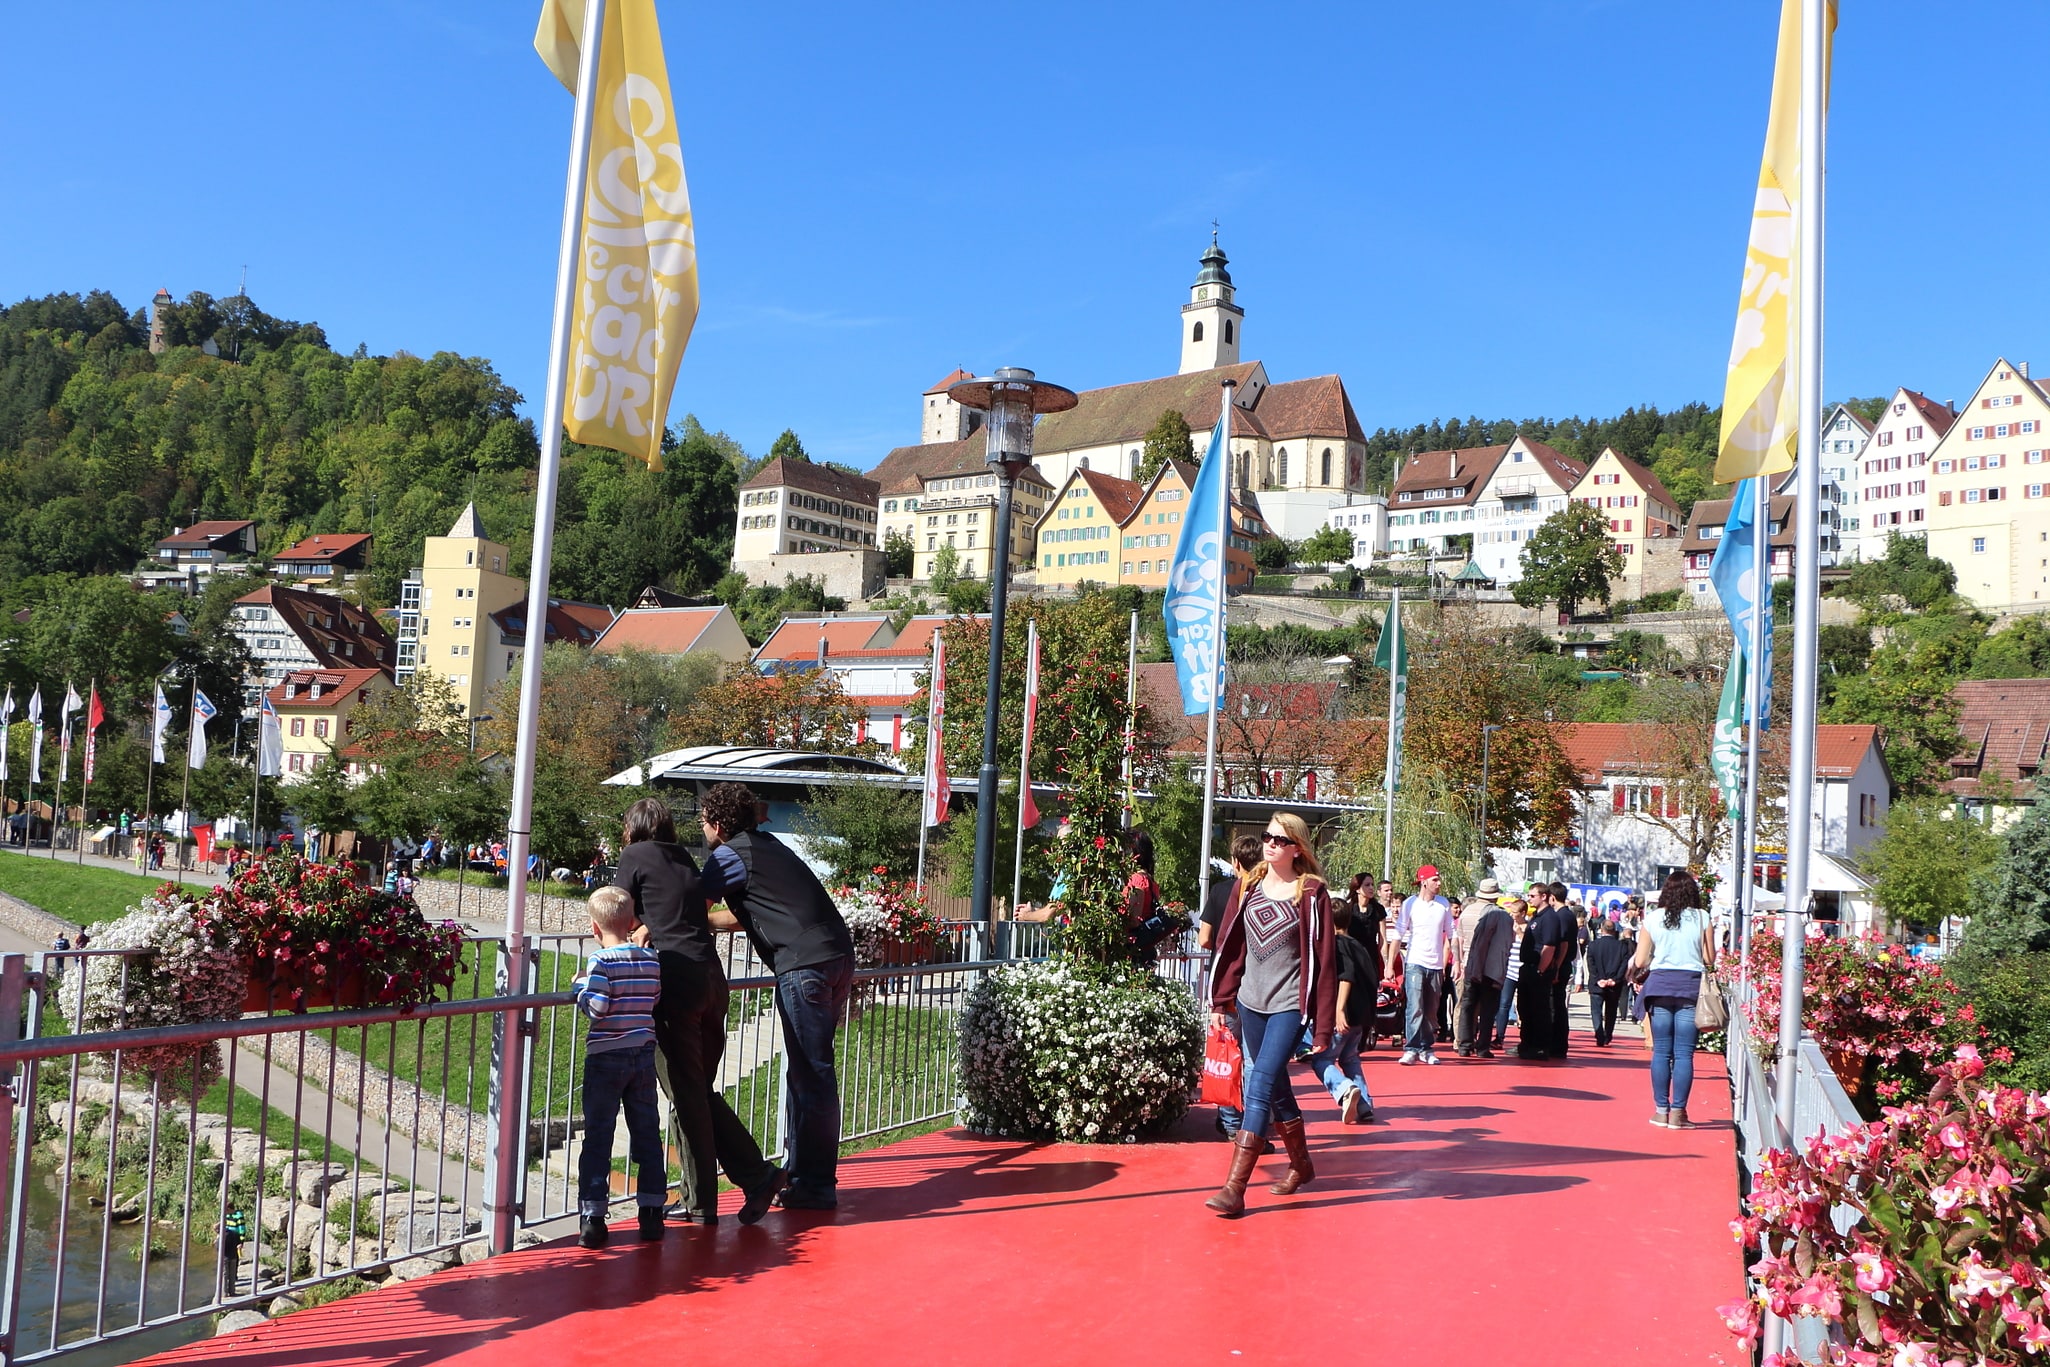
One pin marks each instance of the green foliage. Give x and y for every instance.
(2021, 651)
(1661, 600)
(1637, 650)
(1607, 700)
(946, 568)
(1931, 861)
(760, 607)
(80, 893)
(325, 800)
(966, 597)
(1569, 559)
(1168, 440)
(2011, 995)
(1434, 824)
(621, 527)
(899, 552)
(1843, 649)
(2014, 915)
(1328, 546)
(1274, 553)
(1905, 689)
(1173, 816)
(1906, 576)
(862, 827)
(788, 447)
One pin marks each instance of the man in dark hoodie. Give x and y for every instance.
(1608, 960)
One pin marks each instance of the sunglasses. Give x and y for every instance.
(1272, 839)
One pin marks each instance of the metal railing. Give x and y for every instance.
(147, 1195)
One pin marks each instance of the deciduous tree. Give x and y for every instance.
(1568, 559)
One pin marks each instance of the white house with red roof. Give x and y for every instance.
(325, 555)
(206, 546)
(673, 632)
(1529, 483)
(1887, 486)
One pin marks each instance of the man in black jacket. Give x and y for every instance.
(774, 897)
(1608, 960)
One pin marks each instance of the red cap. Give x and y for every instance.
(1427, 871)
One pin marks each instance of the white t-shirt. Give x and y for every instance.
(1424, 929)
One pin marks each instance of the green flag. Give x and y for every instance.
(1726, 751)
(1392, 654)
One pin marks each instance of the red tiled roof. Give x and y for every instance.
(308, 615)
(664, 631)
(952, 379)
(1938, 416)
(1126, 412)
(1427, 470)
(1598, 748)
(1119, 497)
(324, 547)
(1562, 469)
(814, 479)
(568, 620)
(1839, 750)
(797, 638)
(201, 534)
(916, 637)
(1715, 512)
(1316, 407)
(2006, 727)
(332, 682)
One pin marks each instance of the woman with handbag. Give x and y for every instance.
(1673, 955)
(1276, 969)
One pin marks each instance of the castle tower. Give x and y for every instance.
(1211, 322)
(157, 344)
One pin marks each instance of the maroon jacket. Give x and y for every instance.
(1319, 957)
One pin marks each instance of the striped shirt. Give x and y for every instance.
(618, 993)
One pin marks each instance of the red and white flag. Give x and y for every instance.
(937, 792)
(94, 715)
(1028, 810)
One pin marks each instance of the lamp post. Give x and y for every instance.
(1012, 398)
(475, 722)
(1486, 731)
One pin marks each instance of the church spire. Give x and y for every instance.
(1211, 321)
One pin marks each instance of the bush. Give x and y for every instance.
(1945, 1262)
(194, 970)
(1273, 583)
(1064, 1050)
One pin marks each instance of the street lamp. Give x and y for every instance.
(475, 722)
(1486, 862)
(1012, 398)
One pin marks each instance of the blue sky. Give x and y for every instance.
(1511, 208)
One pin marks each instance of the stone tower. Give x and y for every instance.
(1211, 322)
(157, 344)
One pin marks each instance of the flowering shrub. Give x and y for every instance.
(192, 970)
(1064, 1051)
(881, 913)
(309, 924)
(1949, 1260)
(1880, 1013)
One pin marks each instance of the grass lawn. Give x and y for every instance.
(72, 892)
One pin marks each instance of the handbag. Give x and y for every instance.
(1223, 1065)
(1711, 1012)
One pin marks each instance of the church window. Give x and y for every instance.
(1227, 332)
(1281, 466)
(1198, 335)
(1327, 465)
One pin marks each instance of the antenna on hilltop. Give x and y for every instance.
(244, 291)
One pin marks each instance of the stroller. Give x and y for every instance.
(1389, 1008)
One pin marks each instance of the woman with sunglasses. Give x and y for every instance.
(1275, 968)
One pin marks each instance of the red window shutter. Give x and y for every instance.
(1617, 794)
(1658, 800)
(1312, 797)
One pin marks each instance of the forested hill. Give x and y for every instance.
(105, 448)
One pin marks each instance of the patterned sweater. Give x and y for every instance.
(618, 993)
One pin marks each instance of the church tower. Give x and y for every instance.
(1211, 322)
(158, 342)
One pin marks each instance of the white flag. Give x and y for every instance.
(203, 711)
(72, 702)
(35, 748)
(6, 722)
(270, 744)
(158, 726)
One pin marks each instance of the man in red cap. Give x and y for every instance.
(1424, 927)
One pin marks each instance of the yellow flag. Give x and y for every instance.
(1761, 395)
(637, 287)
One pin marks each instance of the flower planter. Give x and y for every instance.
(271, 990)
(918, 949)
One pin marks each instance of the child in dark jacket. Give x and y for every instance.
(1339, 1065)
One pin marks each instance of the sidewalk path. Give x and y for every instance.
(1497, 1213)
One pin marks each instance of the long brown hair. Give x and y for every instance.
(1306, 861)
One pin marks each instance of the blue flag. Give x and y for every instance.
(1732, 574)
(1195, 581)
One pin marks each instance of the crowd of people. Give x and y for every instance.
(1302, 973)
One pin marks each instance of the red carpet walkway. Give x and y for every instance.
(1498, 1214)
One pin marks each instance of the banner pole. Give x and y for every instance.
(1217, 635)
(1388, 770)
(510, 1094)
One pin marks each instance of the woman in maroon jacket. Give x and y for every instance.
(1276, 968)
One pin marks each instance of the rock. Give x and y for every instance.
(425, 1229)
(411, 1269)
(311, 1182)
(475, 1251)
(284, 1305)
(359, 1189)
(235, 1321)
(343, 1253)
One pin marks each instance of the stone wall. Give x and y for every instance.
(486, 906)
(856, 575)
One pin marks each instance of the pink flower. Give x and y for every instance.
(2034, 1336)
(1874, 1272)
(1952, 1137)
(1968, 1058)
(1741, 1319)
(1980, 1279)
(1914, 1355)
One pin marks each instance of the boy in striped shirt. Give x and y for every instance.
(618, 992)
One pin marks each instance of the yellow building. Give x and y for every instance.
(445, 609)
(315, 715)
(1644, 520)
(1989, 492)
(1079, 536)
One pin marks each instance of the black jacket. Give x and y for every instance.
(784, 909)
(663, 879)
(1608, 957)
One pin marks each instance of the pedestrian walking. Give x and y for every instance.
(1505, 1010)
(1673, 951)
(1470, 912)
(1424, 927)
(1338, 1065)
(1276, 970)
(1483, 970)
(1608, 970)
(1245, 857)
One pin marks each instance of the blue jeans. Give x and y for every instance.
(1269, 1041)
(1423, 986)
(1505, 1013)
(1672, 1051)
(811, 1000)
(613, 1077)
(1339, 1065)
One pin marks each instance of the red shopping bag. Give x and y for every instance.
(1222, 1064)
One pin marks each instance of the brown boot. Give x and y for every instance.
(1300, 1169)
(1245, 1152)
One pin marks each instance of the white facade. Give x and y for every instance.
(1889, 488)
(1530, 483)
(1845, 436)
(1213, 326)
(1365, 517)
(275, 647)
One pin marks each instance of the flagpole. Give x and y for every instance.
(1807, 570)
(149, 781)
(185, 794)
(1755, 683)
(1217, 635)
(85, 786)
(1132, 717)
(506, 1137)
(1388, 769)
(931, 739)
(63, 763)
(1025, 766)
